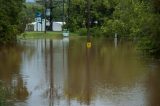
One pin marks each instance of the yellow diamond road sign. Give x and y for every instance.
(89, 44)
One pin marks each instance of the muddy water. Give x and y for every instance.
(63, 72)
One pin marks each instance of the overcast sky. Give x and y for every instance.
(29, 0)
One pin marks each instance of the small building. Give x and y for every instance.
(40, 26)
(57, 26)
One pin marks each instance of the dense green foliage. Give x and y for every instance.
(9, 19)
(137, 19)
(27, 15)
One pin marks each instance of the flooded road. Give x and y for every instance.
(63, 72)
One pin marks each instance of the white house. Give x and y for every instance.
(57, 26)
(40, 26)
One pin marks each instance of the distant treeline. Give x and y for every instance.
(135, 19)
(15, 14)
(138, 19)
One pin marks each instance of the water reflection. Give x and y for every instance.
(153, 84)
(106, 76)
(10, 79)
(45, 71)
(116, 42)
(63, 72)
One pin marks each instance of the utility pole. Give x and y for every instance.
(63, 17)
(88, 19)
(88, 24)
(68, 14)
(45, 16)
(51, 12)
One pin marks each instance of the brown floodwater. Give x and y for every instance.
(63, 72)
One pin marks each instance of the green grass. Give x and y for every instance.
(41, 35)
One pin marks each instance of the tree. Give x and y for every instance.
(137, 19)
(9, 19)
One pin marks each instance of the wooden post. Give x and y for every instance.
(63, 18)
(88, 20)
(45, 16)
(51, 16)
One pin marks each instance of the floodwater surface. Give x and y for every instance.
(63, 72)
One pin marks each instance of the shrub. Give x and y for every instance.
(82, 32)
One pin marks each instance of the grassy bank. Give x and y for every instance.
(39, 35)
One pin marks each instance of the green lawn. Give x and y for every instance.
(39, 35)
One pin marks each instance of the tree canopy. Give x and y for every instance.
(9, 19)
(128, 18)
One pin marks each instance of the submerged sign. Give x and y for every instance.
(89, 45)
